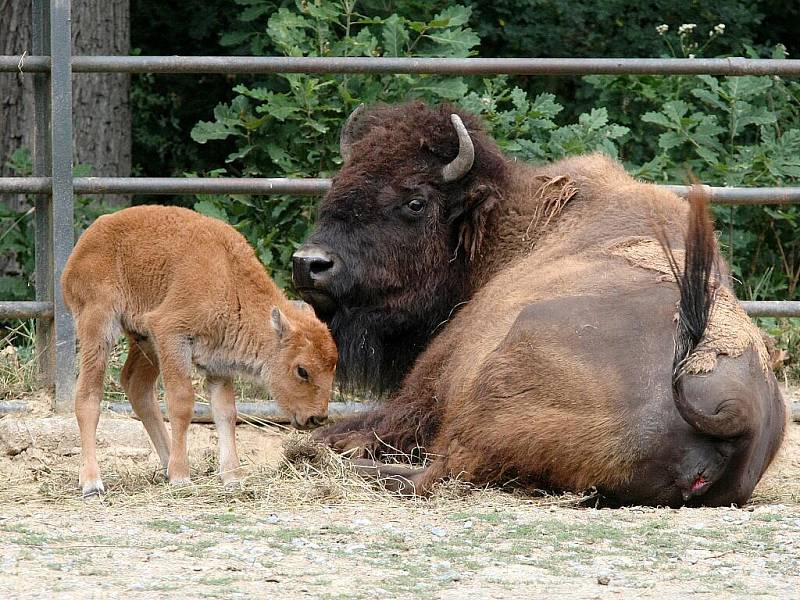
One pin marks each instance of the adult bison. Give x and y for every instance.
(564, 325)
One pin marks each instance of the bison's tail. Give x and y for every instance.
(694, 308)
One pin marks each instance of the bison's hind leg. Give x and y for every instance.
(404, 481)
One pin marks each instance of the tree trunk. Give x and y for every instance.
(16, 91)
(101, 110)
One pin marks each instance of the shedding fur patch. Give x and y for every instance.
(551, 198)
(730, 331)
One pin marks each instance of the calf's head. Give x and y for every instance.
(301, 378)
(397, 234)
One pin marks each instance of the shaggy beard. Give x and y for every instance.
(376, 350)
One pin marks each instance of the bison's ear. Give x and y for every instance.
(471, 214)
(280, 323)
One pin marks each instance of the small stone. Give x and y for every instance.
(361, 522)
(603, 580)
(468, 524)
(438, 531)
(137, 587)
(272, 519)
(197, 568)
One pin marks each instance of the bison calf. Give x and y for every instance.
(187, 289)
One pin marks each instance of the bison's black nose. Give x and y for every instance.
(313, 267)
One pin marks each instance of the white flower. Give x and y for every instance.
(691, 56)
(662, 29)
(686, 28)
(720, 29)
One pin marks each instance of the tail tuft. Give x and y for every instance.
(694, 279)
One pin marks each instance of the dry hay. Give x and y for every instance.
(293, 473)
(302, 473)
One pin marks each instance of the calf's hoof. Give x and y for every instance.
(231, 479)
(92, 487)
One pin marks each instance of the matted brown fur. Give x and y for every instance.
(730, 331)
(187, 289)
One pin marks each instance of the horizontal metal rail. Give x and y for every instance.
(247, 412)
(745, 195)
(776, 308)
(26, 310)
(385, 65)
(250, 412)
(771, 308)
(171, 185)
(312, 187)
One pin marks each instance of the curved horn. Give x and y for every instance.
(462, 163)
(346, 137)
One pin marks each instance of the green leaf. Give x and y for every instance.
(675, 110)
(595, 119)
(278, 106)
(254, 11)
(669, 140)
(658, 118)
(520, 100)
(545, 106)
(208, 208)
(211, 130)
(453, 16)
(395, 36)
(448, 89)
(453, 42)
(234, 38)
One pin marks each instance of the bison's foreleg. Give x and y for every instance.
(401, 426)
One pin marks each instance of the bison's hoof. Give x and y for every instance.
(355, 444)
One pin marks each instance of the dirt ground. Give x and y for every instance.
(302, 526)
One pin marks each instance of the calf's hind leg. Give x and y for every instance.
(174, 354)
(95, 329)
(138, 379)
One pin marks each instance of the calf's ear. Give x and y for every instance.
(280, 323)
(300, 305)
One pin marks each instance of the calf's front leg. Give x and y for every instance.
(222, 396)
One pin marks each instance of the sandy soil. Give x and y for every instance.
(294, 532)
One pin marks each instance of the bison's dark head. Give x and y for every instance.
(397, 234)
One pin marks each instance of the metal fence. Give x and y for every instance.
(52, 65)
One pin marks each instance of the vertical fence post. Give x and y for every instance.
(43, 247)
(62, 207)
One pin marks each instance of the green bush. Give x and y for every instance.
(289, 125)
(719, 130)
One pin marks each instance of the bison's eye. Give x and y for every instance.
(302, 373)
(415, 207)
